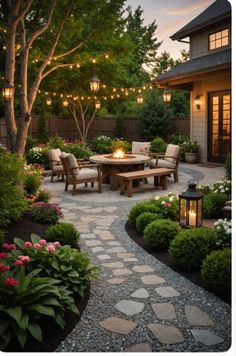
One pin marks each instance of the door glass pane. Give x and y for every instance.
(215, 126)
(226, 125)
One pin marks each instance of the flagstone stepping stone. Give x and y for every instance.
(142, 269)
(140, 293)
(166, 334)
(97, 249)
(129, 307)
(130, 259)
(206, 337)
(115, 280)
(196, 316)
(104, 257)
(87, 236)
(92, 243)
(113, 265)
(125, 255)
(118, 325)
(113, 243)
(121, 272)
(142, 347)
(152, 279)
(164, 311)
(106, 237)
(167, 292)
(116, 249)
(110, 209)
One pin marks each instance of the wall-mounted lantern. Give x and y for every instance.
(197, 101)
(166, 95)
(190, 207)
(7, 91)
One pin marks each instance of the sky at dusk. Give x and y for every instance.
(170, 16)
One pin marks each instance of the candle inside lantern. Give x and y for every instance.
(192, 218)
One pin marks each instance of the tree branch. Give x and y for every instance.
(74, 48)
(22, 13)
(56, 67)
(39, 32)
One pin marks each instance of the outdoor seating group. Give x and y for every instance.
(76, 171)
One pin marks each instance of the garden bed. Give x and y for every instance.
(164, 257)
(53, 335)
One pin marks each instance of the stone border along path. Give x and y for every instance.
(138, 304)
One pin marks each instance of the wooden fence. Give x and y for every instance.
(66, 128)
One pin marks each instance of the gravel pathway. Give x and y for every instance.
(138, 304)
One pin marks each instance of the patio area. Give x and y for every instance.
(138, 304)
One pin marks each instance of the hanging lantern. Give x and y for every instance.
(94, 84)
(97, 104)
(190, 207)
(166, 96)
(7, 91)
(65, 102)
(139, 99)
(49, 101)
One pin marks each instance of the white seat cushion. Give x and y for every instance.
(142, 148)
(85, 173)
(162, 163)
(172, 151)
(54, 157)
(58, 168)
(65, 154)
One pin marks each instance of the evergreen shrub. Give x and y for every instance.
(144, 220)
(159, 233)
(65, 233)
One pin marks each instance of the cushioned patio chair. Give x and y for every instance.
(169, 159)
(142, 148)
(80, 172)
(55, 163)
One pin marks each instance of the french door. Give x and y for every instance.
(219, 126)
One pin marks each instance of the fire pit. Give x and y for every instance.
(119, 164)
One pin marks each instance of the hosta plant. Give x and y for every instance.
(25, 298)
(64, 263)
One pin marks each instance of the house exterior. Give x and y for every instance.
(207, 74)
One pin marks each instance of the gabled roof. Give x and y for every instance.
(205, 64)
(219, 10)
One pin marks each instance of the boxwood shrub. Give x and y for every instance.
(159, 233)
(216, 270)
(190, 247)
(213, 204)
(65, 233)
(145, 206)
(144, 220)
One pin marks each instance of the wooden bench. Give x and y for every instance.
(159, 174)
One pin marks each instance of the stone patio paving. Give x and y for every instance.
(138, 304)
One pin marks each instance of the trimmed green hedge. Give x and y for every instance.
(159, 233)
(144, 219)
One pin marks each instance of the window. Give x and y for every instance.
(219, 39)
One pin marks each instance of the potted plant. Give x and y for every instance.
(191, 149)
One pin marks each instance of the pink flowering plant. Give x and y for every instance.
(167, 205)
(27, 296)
(64, 263)
(46, 213)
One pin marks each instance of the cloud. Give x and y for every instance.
(173, 26)
(189, 7)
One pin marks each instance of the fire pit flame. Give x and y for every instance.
(118, 153)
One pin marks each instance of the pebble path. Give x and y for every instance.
(138, 304)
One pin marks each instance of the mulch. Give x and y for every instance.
(164, 257)
(53, 335)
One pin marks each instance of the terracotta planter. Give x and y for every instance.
(191, 157)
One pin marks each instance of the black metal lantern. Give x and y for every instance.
(49, 101)
(65, 102)
(94, 84)
(97, 104)
(7, 91)
(190, 207)
(139, 99)
(166, 96)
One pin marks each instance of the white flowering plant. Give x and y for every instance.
(101, 143)
(168, 205)
(222, 233)
(222, 186)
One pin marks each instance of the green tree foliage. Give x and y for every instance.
(154, 117)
